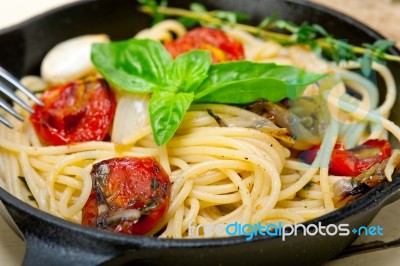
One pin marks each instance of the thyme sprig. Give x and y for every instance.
(281, 31)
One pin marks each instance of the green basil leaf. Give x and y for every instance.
(273, 82)
(166, 111)
(133, 65)
(251, 90)
(293, 75)
(190, 70)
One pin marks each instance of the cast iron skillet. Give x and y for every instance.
(53, 241)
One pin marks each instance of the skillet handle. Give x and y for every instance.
(50, 244)
(41, 252)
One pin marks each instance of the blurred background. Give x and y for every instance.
(381, 15)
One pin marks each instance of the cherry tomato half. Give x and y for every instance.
(223, 47)
(130, 195)
(354, 161)
(75, 112)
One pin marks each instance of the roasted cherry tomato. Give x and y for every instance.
(354, 161)
(130, 195)
(223, 48)
(75, 112)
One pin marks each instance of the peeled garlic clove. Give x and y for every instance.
(70, 60)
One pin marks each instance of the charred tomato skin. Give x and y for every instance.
(353, 162)
(75, 112)
(123, 184)
(222, 47)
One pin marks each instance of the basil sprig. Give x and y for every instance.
(144, 66)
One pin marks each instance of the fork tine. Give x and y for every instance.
(9, 93)
(10, 110)
(10, 78)
(5, 122)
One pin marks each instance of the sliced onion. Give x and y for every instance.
(131, 215)
(131, 119)
(262, 124)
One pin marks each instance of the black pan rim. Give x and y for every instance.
(375, 198)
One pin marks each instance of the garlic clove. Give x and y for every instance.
(70, 60)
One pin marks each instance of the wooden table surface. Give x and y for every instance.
(12, 247)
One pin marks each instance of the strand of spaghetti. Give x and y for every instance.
(210, 177)
(365, 114)
(218, 188)
(309, 194)
(300, 204)
(235, 132)
(273, 197)
(69, 181)
(394, 160)
(244, 193)
(14, 172)
(289, 179)
(233, 216)
(85, 190)
(29, 173)
(366, 88)
(390, 96)
(195, 119)
(275, 188)
(168, 232)
(197, 169)
(267, 150)
(266, 184)
(63, 202)
(325, 188)
(258, 183)
(40, 165)
(196, 158)
(215, 199)
(175, 203)
(293, 216)
(70, 160)
(193, 212)
(178, 222)
(326, 151)
(53, 150)
(217, 141)
(296, 165)
(163, 159)
(162, 31)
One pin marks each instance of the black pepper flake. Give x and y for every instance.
(309, 185)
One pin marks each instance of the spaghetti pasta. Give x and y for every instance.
(218, 174)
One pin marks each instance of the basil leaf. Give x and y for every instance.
(134, 65)
(233, 82)
(251, 90)
(166, 111)
(190, 70)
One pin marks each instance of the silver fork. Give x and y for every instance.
(8, 85)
